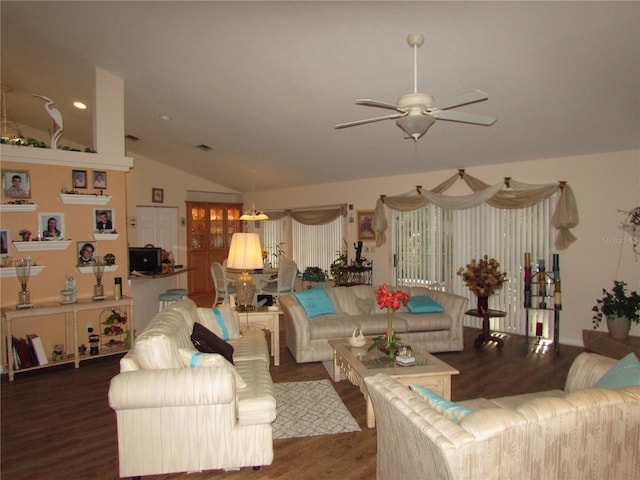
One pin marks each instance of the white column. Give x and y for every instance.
(108, 119)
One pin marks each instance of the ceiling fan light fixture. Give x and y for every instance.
(415, 125)
(254, 215)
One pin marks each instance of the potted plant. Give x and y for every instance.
(619, 309)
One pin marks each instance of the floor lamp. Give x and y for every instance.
(245, 254)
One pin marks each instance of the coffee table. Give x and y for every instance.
(358, 363)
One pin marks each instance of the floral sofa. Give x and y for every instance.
(173, 416)
(307, 333)
(591, 430)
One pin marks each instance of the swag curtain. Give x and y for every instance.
(310, 217)
(516, 195)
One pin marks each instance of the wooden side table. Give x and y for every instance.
(267, 320)
(485, 336)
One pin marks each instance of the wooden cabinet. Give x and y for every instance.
(210, 227)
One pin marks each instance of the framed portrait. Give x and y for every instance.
(365, 226)
(51, 225)
(99, 179)
(104, 220)
(87, 252)
(157, 195)
(16, 183)
(5, 240)
(79, 178)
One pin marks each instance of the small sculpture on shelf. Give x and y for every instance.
(69, 291)
(58, 352)
(23, 272)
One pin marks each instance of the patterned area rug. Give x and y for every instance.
(306, 409)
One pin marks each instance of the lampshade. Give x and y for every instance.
(245, 252)
(415, 125)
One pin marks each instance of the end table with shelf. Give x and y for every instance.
(267, 320)
(485, 336)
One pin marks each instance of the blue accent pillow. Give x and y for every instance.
(423, 304)
(451, 410)
(220, 320)
(623, 374)
(315, 302)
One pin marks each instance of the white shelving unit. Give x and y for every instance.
(18, 207)
(41, 245)
(82, 199)
(9, 272)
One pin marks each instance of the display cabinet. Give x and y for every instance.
(543, 295)
(210, 227)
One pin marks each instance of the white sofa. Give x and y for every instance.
(174, 418)
(580, 433)
(356, 307)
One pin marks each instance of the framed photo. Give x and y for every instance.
(365, 226)
(79, 178)
(5, 240)
(51, 225)
(157, 195)
(16, 183)
(86, 253)
(104, 220)
(99, 179)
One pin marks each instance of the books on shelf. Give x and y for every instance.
(36, 343)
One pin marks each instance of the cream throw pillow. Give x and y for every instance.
(194, 358)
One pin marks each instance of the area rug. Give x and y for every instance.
(307, 409)
(328, 365)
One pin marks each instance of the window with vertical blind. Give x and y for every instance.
(432, 243)
(313, 245)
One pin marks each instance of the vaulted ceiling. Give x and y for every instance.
(263, 83)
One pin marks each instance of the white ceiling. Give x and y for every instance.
(263, 83)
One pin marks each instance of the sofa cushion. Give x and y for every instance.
(221, 320)
(159, 343)
(339, 325)
(208, 342)
(624, 373)
(251, 345)
(193, 358)
(423, 304)
(449, 409)
(257, 402)
(365, 305)
(315, 302)
(424, 322)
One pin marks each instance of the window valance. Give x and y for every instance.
(310, 216)
(505, 194)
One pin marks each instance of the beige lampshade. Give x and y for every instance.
(245, 252)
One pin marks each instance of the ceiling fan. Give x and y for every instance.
(418, 111)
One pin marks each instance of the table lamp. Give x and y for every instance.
(245, 254)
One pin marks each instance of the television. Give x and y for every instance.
(146, 260)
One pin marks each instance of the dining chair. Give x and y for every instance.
(285, 281)
(222, 286)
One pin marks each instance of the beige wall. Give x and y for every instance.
(602, 183)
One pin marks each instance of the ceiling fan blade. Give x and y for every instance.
(376, 103)
(370, 120)
(466, 98)
(464, 117)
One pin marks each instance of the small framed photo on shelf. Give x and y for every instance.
(16, 183)
(86, 253)
(51, 225)
(79, 178)
(99, 179)
(366, 233)
(157, 195)
(104, 220)
(5, 238)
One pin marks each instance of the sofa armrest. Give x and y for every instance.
(172, 387)
(586, 370)
(296, 324)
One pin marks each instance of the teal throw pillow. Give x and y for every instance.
(315, 302)
(623, 374)
(451, 410)
(423, 304)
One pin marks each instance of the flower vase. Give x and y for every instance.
(483, 303)
(385, 346)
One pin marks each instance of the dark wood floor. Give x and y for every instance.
(57, 424)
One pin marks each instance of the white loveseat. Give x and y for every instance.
(586, 431)
(175, 418)
(356, 307)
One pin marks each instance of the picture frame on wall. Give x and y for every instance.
(157, 195)
(16, 183)
(5, 240)
(366, 233)
(104, 220)
(51, 225)
(99, 179)
(87, 252)
(79, 178)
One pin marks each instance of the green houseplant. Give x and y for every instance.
(617, 306)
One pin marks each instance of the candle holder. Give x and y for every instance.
(23, 272)
(98, 271)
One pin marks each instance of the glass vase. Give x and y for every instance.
(483, 303)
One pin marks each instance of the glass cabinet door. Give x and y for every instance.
(216, 227)
(233, 223)
(198, 228)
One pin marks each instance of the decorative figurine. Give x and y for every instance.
(55, 114)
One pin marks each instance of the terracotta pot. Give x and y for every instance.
(618, 327)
